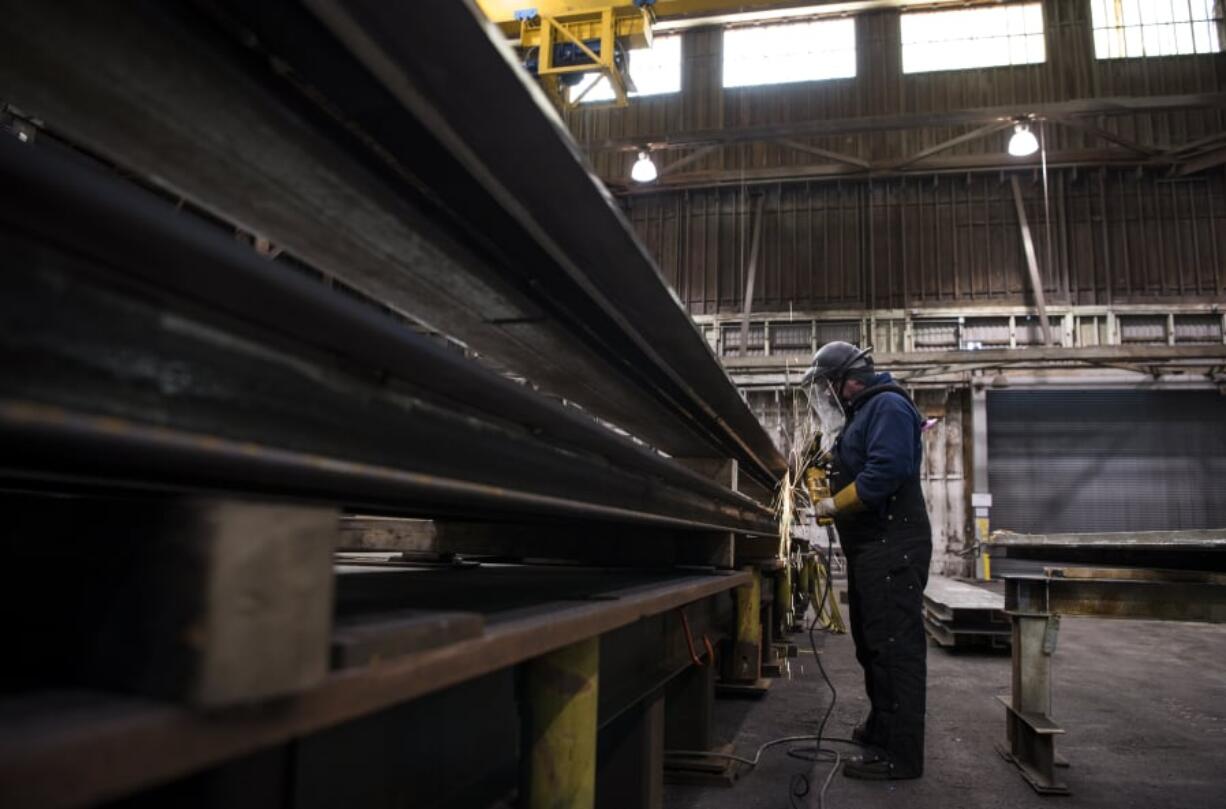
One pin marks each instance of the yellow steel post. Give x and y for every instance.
(747, 651)
(783, 598)
(806, 575)
(815, 585)
(545, 53)
(982, 536)
(559, 756)
(607, 56)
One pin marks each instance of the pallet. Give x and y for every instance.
(949, 638)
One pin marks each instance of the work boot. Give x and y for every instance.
(862, 733)
(876, 768)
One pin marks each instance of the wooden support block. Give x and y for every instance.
(750, 690)
(701, 771)
(210, 602)
(388, 534)
(359, 642)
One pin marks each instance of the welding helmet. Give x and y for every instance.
(837, 360)
(823, 382)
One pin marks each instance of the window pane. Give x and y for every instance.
(654, 71)
(800, 51)
(973, 37)
(1132, 28)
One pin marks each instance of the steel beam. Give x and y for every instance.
(1200, 550)
(1191, 540)
(1032, 263)
(751, 271)
(256, 113)
(1077, 108)
(1036, 605)
(841, 170)
(1202, 162)
(619, 291)
(1030, 734)
(992, 357)
(837, 157)
(65, 749)
(232, 360)
(975, 134)
(1154, 600)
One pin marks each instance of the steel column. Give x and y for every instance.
(745, 664)
(1029, 731)
(559, 753)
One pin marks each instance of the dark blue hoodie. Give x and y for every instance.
(880, 446)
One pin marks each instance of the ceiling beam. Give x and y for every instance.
(951, 164)
(837, 157)
(1032, 263)
(1205, 161)
(976, 134)
(692, 157)
(1111, 137)
(884, 123)
(993, 357)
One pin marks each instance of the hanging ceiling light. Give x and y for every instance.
(644, 170)
(1023, 142)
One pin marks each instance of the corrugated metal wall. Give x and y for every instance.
(1116, 237)
(1070, 461)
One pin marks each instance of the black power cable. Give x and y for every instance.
(799, 786)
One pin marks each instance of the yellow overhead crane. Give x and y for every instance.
(560, 41)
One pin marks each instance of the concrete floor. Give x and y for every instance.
(1143, 704)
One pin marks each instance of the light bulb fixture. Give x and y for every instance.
(644, 170)
(1023, 143)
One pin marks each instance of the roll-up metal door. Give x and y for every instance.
(1111, 460)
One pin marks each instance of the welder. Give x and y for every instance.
(879, 512)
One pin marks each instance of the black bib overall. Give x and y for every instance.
(887, 569)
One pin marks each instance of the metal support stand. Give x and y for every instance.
(1030, 731)
(743, 668)
(559, 759)
(689, 701)
(630, 758)
(785, 613)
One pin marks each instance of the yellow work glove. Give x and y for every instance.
(846, 501)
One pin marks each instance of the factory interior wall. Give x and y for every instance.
(943, 477)
(1104, 236)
